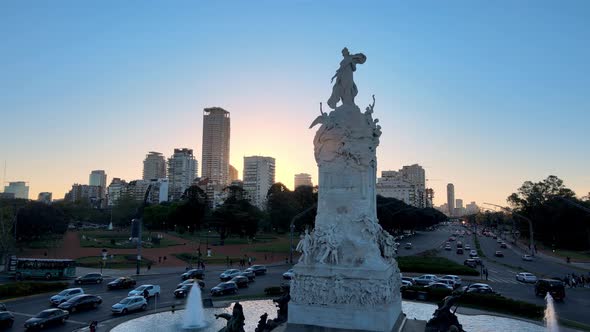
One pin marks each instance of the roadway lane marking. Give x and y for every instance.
(29, 315)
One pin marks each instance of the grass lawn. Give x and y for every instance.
(428, 262)
(274, 247)
(119, 240)
(213, 260)
(118, 262)
(583, 256)
(213, 238)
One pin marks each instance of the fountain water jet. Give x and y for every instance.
(194, 316)
(550, 316)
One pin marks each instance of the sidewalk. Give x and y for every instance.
(522, 249)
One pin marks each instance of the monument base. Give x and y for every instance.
(401, 325)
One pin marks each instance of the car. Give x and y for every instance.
(193, 274)
(405, 284)
(122, 282)
(3, 307)
(554, 287)
(467, 247)
(447, 282)
(526, 277)
(477, 260)
(223, 288)
(46, 318)
(153, 290)
(456, 279)
(65, 295)
(408, 245)
(425, 279)
(240, 281)
(190, 282)
(527, 258)
(289, 274)
(499, 241)
(409, 279)
(459, 251)
(183, 291)
(84, 301)
(472, 253)
(439, 285)
(90, 278)
(257, 269)
(503, 245)
(459, 244)
(131, 303)
(448, 247)
(228, 274)
(452, 238)
(470, 262)
(249, 274)
(478, 288)
(6, 319)
(498, 253)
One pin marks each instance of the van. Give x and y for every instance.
(554, 287)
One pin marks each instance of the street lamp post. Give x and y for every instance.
(532, 241)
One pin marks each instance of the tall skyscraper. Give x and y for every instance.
(416, 175)
(233, 174)
(98, 178)
(154, 166)
(18, 188)
(259, 176)
(216, 134)
(182, 171)
(303, 179)
(451, 199)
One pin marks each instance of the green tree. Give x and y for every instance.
(36, 219)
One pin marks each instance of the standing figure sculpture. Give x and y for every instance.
(305, 247)
(344, 89)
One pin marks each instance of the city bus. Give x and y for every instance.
(23, 268)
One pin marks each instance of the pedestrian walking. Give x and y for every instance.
(486, 272)
(146, 294)
(164, 259)
(159, 259)
(249, 261)
(92, 326)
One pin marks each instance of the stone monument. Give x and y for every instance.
(347, 277)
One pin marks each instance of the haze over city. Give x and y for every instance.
(482, 102)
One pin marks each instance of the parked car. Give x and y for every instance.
(526, 277)
(554, 287)
(224, 288)
(408, 245)
(122, 282)
(183, 291)
(46, 318)
(3, 307)
(405, 284)
(6, 319)
(240, 281)
(257, 269)
(498, 253)
(65, 295)
(456, 279)
(503, 245)
(289, 274)
(90, 278)
(153, 290)
(425, 279)
(192, 281)
(409, 279)
(131, 303)
(228, 274)
(439, 285)
(470, 262)
(527, 258)
(478, 288)
(249, 274)
(459, 251)
(447, 282)
(84, 301)
(193, 274)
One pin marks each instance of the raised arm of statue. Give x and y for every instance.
(344, 89)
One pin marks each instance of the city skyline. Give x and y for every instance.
(471, 100)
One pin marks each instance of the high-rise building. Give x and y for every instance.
(116, 189)
(233, 174)
(303, 179)
(391, 184)
(98, 178)
(471, 208)
(86, 193)
(44, 197)
(216, 134)
(182, 171)
(18, 188)
(459, 203)
(258, 177)
(451, 199)
(154, 166)
(416, 175)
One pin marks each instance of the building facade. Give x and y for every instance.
(303, 179)
(45, 197)
(416, 175)
(154, 166)
(182, 171)
(258, 177)
(451, 199)
(86, 193)
(115, 190)
(233, 174)
(20, 189)
(391, 184)
(215, 149)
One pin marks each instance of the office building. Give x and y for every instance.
(86, 193)
(182, 171)
(416, 175)
(116, 189)
(44, 197)
(154, 166)
(20, 189)
(391, 184)
(451, 199)
(258, 177)
(471, 208)
(303, 179)
(233, 174)
(98, 178)
(215, 149)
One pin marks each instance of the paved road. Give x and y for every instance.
(25, 308)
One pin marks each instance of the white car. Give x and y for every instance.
(527, 258)
(425, 279)
(456, 279)
(467, 247)
(289, 274)
(153, 290)
(65, 295)
(128, 304)
(472, 253)
(229, 274)
(526, 277)
(447, 282)
(406, 284)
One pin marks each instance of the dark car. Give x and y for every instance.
(257, 269)
(499, 254)
(503, 245)
(46, 318)
(183, 291)
(224, 288)
(460, 251)
(249, 274)
(6, 319)
(470, 262)
(193, 274)
(90, 278)
(554, 287)
(241, 281)
(122, 282)
(190, 282)
(80, 302)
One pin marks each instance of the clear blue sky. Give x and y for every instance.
(484, 94)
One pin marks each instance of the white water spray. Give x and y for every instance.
(550, 317)
(194, 316)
